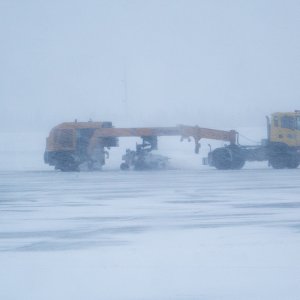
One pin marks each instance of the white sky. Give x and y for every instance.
(219, 64)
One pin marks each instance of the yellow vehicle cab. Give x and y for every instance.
(285, 128)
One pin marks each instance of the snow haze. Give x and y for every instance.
(212, 63)
(189, 232)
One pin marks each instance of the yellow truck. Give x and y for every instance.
(281, 148)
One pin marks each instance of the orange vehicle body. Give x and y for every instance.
(72, 144)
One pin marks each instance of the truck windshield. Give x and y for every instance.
(288, 122)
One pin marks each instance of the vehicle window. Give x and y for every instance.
(288, 122)
(298, 123)
(276, 123)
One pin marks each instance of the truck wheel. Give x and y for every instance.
(279, 161)
(228, 158)
(292, 162)
(279, 156)
(66, 163)
(124, 167)
(237, 164)
(221, 158)
(238, 159)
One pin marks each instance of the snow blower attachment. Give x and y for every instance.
(77, 146)
(143, 158)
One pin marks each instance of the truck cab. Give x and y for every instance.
(285, 128)
(71, 146)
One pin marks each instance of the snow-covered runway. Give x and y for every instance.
(177, 234)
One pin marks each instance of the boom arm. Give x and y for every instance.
(184, 131)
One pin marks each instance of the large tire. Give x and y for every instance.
(279, 161)
(293, 161)
(282, 156)
(283, 161)
(222, 158)
(227, 158)
(67, 163)
(124, 166)
(238, 164)
(238, 158)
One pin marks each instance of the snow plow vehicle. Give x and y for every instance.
(76, 146)
(281, 148)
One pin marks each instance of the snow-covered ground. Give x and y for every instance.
(176, 234)
(187, 233)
